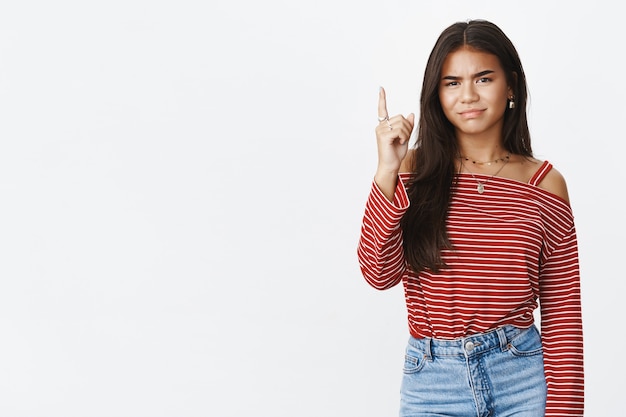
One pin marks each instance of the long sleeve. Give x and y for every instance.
(379, 251)
(561, 328)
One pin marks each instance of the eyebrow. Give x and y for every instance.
(477, 75)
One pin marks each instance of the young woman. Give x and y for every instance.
(480, 233)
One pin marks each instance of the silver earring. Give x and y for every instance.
(511, 102)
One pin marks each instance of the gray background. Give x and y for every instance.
(182, 185)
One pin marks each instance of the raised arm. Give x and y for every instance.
(380, 251)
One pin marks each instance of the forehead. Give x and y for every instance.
(469, 61)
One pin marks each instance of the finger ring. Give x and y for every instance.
(382, 119)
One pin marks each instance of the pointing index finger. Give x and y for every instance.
(382, 104)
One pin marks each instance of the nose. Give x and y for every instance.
(468, 93)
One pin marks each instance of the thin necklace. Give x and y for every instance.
(495, 161)
(481, 185)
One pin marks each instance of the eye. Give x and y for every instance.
(451, 84)
(483, 80)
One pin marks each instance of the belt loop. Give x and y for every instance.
(427, 350)
(502, 338)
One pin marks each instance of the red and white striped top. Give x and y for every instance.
(512, 245)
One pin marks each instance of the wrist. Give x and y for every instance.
(386, 174)
(386, 182)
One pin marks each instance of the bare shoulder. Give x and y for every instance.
(407, 162)
(524, 168)
(555, 183)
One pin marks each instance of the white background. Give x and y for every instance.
(182, 185)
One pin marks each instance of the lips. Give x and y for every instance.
(471, 113)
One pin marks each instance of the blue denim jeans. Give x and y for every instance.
(495, 374)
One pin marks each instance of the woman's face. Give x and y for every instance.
(473, 92)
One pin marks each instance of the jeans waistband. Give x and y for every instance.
(469, 345)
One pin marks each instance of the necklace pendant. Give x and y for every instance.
(480, 188)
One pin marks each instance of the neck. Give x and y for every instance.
(483, 146)
(483, 155)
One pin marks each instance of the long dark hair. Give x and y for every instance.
(433, 160)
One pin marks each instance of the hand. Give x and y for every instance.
(392, 136)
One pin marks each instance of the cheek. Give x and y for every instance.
(446, 100)
(502, 102)
(447, 104)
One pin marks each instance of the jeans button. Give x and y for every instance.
(469, 346)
